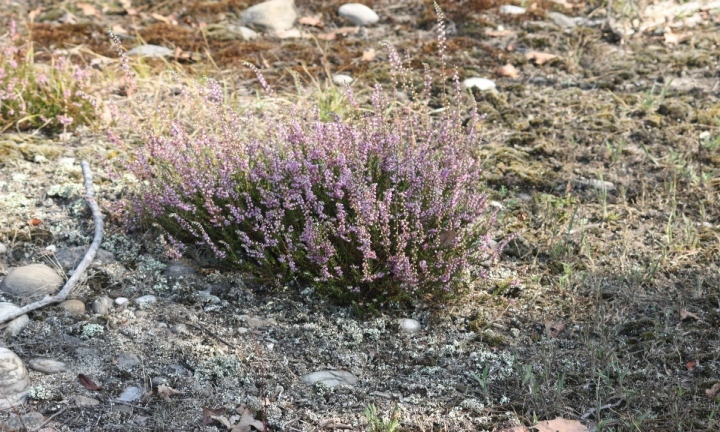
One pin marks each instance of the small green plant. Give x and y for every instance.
(377, 424)
(40, 96)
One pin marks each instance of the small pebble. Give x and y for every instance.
(74, 308)
(482, 84)
(131, 394)
(102, 305)
(358, 14)
(409, 325)
(47, 366)
(512, 10)
(85, 402)
(342, 79)
(121, 301)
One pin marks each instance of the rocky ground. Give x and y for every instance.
(602, 148)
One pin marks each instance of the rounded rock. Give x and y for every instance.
(74, 308)
(30, 282)
(358, 14)
(102, 305)
(409, 325)
(342, 79)
(146, 300)
(482, 84)
(14, 380)
(47, 366)
(121, 301)
(272, 15)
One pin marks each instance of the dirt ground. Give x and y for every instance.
(605, 159)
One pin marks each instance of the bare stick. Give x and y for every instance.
(84, 264)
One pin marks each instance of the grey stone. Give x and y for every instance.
(409, 325)
(15, 326)
(330, 378)
(127, 360)
(131, 394)
(482, 84)
(31, 282)
(342, 79)
(358, 14)
(563, 21)
(70, 258)
(102, 305)
(121, 301)
(14, 380)
(178, 269)
(73, 307)
(86, 402)
(27, 422)
(146, 300)
(149, 50)
(272, 15)
(156, 381)
(176, 369)
(48, 366)
(512, 10)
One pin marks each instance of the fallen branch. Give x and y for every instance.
(63, 294)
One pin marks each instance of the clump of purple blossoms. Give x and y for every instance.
(386, 206)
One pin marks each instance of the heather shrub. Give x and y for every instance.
(40, 96)
(386, 206)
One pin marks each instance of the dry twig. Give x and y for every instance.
(84, 264)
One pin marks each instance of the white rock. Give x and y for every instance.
(512, 10)
(14, 380)
(146, 300)
(409, 325)
(31, 281)
(358, 14)
(483, 84)
(47, 366)
(342, 79)
(102, 305)
(121, 301)
(330, 378)
(564, 21)
(272, 15)
(131, 394)
(149, 50)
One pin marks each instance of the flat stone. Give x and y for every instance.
(146, 300)
(102, 305)
(272, 15)
(27, 422)
(330, 378)
(482, 84)
(409, 325)
(127, 360)
(512, 10)
(149, 50)
(342, 79)
(31, 282)
(48, 366)
(131, 394)
(73, 307)
(14, 380)
(178, 269)
(86, 402)
(358, 14)
(70, 258)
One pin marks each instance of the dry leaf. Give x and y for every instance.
(563, 3)
(508, 70)
(553, 329)
(672, 38)
(34, 222)
(691, 364)
(368, 55)
(126, 4)
(561, 425)
(713, 391)
(88, 383)
(223, 421)
(118, 29)
(165, 392)
(326, 36)
(246, 421)
(88, 9)
(34, 13)
(159, 17)
(539, 58)
(314, 21)
(685, 315)
(208, 414)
